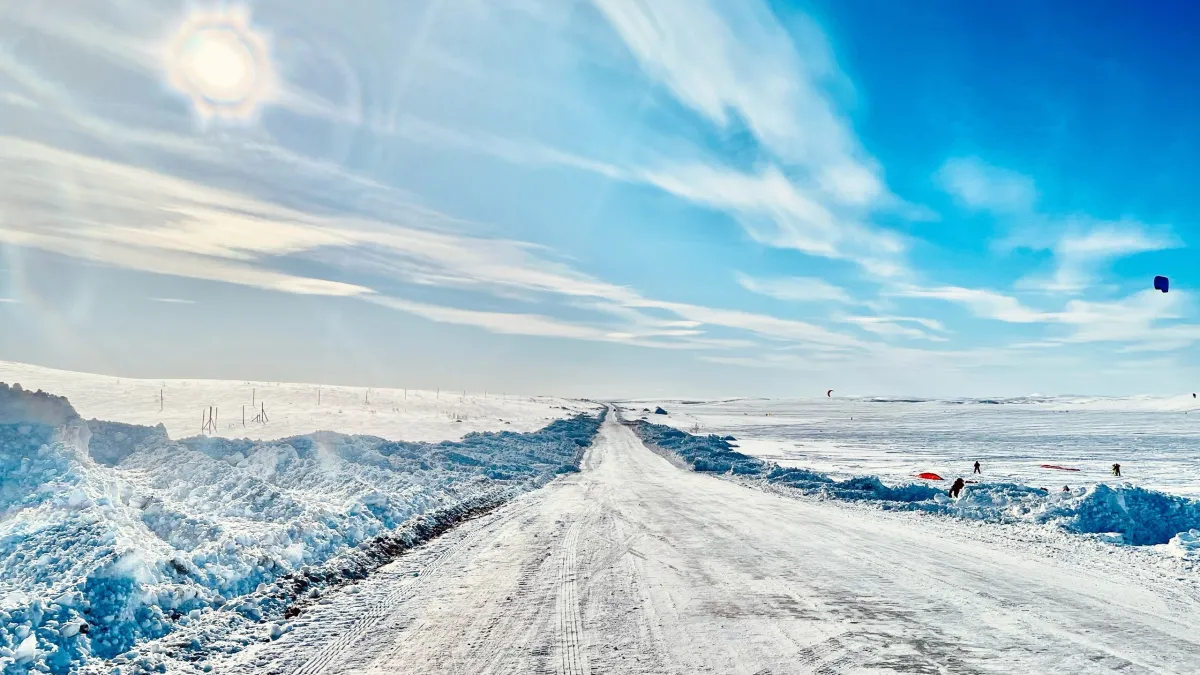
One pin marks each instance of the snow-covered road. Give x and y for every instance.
(637, 566)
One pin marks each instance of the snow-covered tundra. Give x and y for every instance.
(581, 542)
(114, 534)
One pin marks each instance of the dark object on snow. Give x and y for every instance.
(645, 410)
(660, 411)
(1055, 466)
(976, 468)
(729, 438)
(956, 489)
(1066, 489)
(1162, 284)
(1116, 469)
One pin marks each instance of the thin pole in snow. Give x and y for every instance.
(318, 396)
(253, 394)
(243, 415)
(438, 394)
(160, 400)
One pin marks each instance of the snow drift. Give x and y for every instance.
(112, 534)
(1124, 514)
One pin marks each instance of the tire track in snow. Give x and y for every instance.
(386, 606)
(572, 660)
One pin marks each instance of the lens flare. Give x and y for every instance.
(221, 63)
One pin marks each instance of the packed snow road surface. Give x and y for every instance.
(637, 566)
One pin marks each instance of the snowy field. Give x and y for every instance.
(292, 409)
(113, 533)
(388, 538)
(1155, 440)
(634, 565)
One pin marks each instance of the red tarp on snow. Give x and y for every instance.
(929, 476)
(1060, 468)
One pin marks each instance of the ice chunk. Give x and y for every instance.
(1185, 544)
(26, 651)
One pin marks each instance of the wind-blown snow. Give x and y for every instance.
(1155, 440)
(293, 409)
(112, 534)
(1122, 514)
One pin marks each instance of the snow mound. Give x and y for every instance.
(1123, 514)
(1141, 516)
(113, 534)
(1185, 544)
(18, 405)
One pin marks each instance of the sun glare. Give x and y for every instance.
(221, 64)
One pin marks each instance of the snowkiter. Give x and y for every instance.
(956, 489)
(977, 468)
(1116, 469)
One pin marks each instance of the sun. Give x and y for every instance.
(221, 63)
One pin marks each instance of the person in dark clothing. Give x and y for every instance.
(957, 487)
(977, 468)
(1116, 469)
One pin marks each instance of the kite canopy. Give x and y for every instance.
(928, 475)
(1162, 284)
(829, 393)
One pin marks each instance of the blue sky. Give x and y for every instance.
(604, 197)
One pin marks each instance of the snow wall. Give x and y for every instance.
(112, 534)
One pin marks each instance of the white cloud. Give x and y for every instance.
(173, 301)
(774, 211)
(1085, 247)
(767, 326)
(893, 326)
(1132, 319)
(798, 289)
(983, 303)
(734, 61)
(168, 225)
(1111, 240)
(11, 301)
(498, 322)
(979, 185)
(1081, 245)
(15, 99)
(165, 225)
